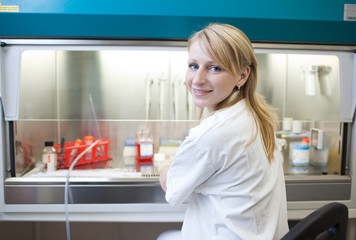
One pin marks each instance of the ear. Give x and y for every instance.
(245, 73)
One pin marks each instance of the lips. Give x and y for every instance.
(201, 92)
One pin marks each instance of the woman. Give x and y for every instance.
(228, 169)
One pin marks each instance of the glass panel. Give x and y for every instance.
(302, 86)
(107, 94)
(313, 87)
(304, 89)
(100, 84)
(112, 94)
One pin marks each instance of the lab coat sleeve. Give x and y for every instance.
(191, 166)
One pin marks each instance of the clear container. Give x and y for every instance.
(300, 153)
(129, 154)
(144, 146)
(74, 151)
(319, 157)
(49, 156)
(144, 151)
(159, 161)
(88, 140)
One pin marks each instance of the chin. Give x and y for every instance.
(199, 104)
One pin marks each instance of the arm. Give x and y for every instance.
(163, 177)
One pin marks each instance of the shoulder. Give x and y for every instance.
(233, 126)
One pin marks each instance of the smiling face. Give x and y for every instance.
(208, 82)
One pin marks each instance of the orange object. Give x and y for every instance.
(99, 157)
(88, 138)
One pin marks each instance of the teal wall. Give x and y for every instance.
(312, 21)
(329, 10)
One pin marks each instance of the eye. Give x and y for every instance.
(193, 66)
(215, 68)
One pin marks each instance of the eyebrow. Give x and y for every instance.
(209, 62)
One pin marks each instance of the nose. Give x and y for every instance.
(199, 77)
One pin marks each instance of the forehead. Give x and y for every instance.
(198, 51)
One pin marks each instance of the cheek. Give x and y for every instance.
(226, 85)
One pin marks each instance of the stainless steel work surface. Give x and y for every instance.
(85, 187)
(146, 189)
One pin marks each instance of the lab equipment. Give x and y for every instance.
(310, 78)
(300, 153)
(97, 160)
(319, 157)
(62, 146)
(287, 123)
(49, 156)
(119, 93)
(149, 82)
(144, 149)
(162, 95)
(324, 81)
(88, 140)
(66, 186)
(317, 137)
(74, 151)
(129, 153)
(297, 126)
(176, 88)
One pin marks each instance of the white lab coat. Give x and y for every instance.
(232, 191)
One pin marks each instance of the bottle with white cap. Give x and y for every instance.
(49, 156)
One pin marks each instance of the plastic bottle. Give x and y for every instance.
(300, 155)
(74, 151)
(281, 146)
(129, 154)
(144, 149)
(49, 156)
(319, 158)
(88, 140)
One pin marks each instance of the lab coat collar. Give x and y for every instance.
(225, 112)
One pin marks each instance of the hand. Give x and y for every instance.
(163, 177)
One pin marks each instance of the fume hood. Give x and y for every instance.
(64, 90)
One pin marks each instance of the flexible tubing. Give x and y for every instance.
(67, 183)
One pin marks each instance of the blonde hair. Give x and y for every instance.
(233, 51)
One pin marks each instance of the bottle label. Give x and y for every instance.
(300, 155)
(146, 149)
(51, 161)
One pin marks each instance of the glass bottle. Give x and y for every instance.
(49, 156)
(144, 151)
(144, 146)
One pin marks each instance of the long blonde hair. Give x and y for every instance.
(232, 50)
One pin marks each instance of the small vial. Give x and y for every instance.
(144, 146)
(129, 154)
(88, 140)
(49, 156)
(74, 151)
